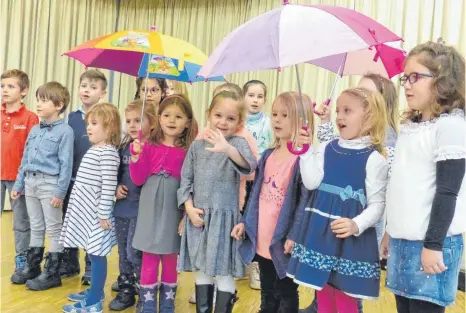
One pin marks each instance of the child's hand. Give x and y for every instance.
(384, 246)
(181, 226)
(432, 261)
(323, 112)
(238, 231)
(344, 227)
(289, 246)
(194, 215)
(56, 203)
(105, 224)
(215, 138)
(304, 138)
(15, 195)
(137, 147)
(122, 192)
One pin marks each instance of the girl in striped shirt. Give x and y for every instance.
(89, 222)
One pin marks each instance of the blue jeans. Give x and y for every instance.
(405, 276)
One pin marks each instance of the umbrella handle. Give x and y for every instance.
(327, 102)
(131, 150)
(303, 150)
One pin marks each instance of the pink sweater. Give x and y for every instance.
(154, 159)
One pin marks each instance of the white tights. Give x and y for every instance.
(224, 283)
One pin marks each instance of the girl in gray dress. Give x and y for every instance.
(209, 192)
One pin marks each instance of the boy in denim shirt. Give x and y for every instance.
(44, 175)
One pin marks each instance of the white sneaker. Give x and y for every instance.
(254, 276)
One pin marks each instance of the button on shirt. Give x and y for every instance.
(49, 150)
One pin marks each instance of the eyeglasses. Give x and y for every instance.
(413, 77)
(152, 91)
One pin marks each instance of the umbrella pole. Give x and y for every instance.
(305, 121)
(144, 99)
(339, 74)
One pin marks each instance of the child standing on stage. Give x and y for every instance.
(126, 207)
(339, 256)
(273, 219)
(89, 221)
(426, 196)
(156, 164)
(209, 192)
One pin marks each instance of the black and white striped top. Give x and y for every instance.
(91, 201)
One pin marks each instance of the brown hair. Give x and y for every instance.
(189, 134)
(23, 78)
(448, 69)
(149, 114)
(108, 115)
(55, 92)
(95, 74)
(254, 82)
(228, 87)
(291, 100)
(230, 95)
(162, 84)
(375, 116)
(387, 89)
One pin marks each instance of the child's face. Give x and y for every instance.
(419, 94)
(368, 84)
(154, 92)
(171, 88)
(11, 91)
(47, 110)
(254, 98)
(173, 121)
(281, 121)
(90, 92)
(133, 124)
(350, 116)
(96, 131)
(225, 117)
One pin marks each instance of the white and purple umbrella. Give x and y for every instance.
(294, 34)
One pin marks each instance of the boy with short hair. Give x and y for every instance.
(92, 88)
(16, 123)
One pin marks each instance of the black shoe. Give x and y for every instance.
(383, 264)
(50, 276)
(205, 298)
(224, 302)
(70, 263)
(21, 261)
(118, 285)
(126, 297)
(86, 279)
(32, 268)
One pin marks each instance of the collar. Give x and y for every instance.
(44, 124)
(252, 118)
(358, 143)
(20, 110)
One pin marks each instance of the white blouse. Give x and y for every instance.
(312, 172)
(412, 185)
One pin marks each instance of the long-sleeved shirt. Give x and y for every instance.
(49, 150)
(312, 172)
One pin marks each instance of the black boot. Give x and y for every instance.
(20, 261)
(126, 297)
(50, 276)
(70, 264)
(225, 302)
(205, 298)
(86, 279)
(32, 268)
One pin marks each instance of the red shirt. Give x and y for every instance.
(15, 129)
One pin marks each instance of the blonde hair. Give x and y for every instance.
(179, 87)
(149, 114)
(189, 134)
(375, 116)
(291, 100)
(448, 69)
(387, 89)
(228, 87)
(55, 92)
(108, 115)
(241, 108)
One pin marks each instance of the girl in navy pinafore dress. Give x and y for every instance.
(339, 253)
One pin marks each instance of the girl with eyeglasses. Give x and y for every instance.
(426, 194)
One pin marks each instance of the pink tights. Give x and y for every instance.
(332, 300)
(150, 268)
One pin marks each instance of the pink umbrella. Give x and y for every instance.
(294, 34)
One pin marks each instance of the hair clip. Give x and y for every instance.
(360, 92)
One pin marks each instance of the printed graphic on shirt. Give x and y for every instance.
(273, 191)
(19, 126)
(125, 159)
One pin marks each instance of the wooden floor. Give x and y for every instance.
(17, 299)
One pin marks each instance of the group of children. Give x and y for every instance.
(212, 201)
